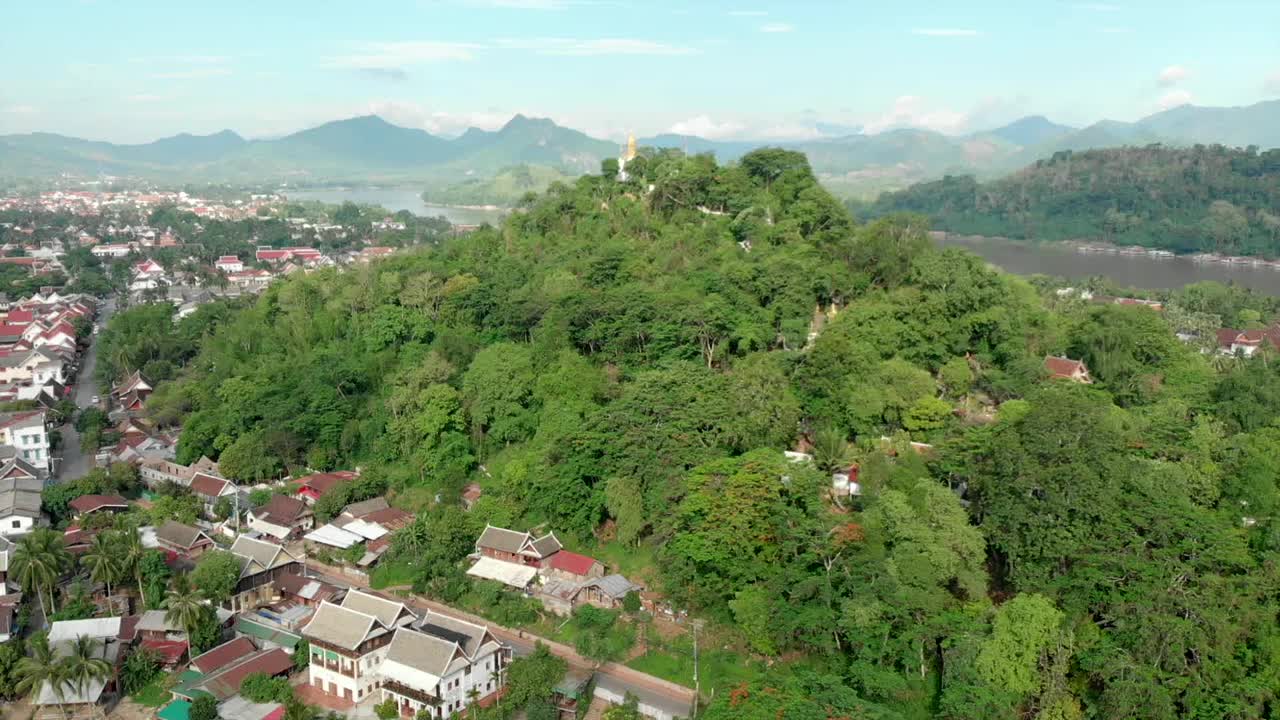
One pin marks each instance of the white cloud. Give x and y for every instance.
(912, 111)
(394, 55)
(945, 32)
(1272, 83)
(776, 28)
(599, 46)
(748, 13)
(1173, 99)
(436, 122)
(703, 126)
(18, 110)
(1172, 75)
(190, 74)
(787, 131)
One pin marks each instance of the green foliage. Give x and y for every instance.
(260, 496)
(204, 707)
(215, 575)
(598, 634)
(533, 677)
(262, 688)
(387, 710)
(1202, 198)
(301, 655)
(140, 668)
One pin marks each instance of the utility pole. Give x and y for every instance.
(697, 690)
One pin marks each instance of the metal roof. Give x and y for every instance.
(507, 573)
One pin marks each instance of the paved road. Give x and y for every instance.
(75, 463)
(651, 690)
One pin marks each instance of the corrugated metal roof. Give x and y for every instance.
(333, 535)
(517, 576)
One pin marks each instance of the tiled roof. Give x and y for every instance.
(364, 507)
(282, 510)
(178, 535)
(572, 562)
(208, 485)
(386, 611)
(340, 626)
(502, 539)
(223, 655)
(90, 503)
(421, 652)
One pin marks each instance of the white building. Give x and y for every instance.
(349, 643)
(437, 666)
(111, 251)
(229, 264)
(25, 432)
(19, 504)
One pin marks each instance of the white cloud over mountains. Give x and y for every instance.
(1172, 75)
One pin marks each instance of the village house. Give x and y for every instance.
(131, 394)
(156, 472)
(25, 432)
(8, 610)
(88, 504)
(517, 547)
(250, 279)
(282, 517)
(441, 665)
(166, 639)
(20, 505)
(573, 567)
(349, 643)
(312, 487)
(183, 540)
(6, 551)
(209, 489)
(220, 671)
(1061, 368)
(262, 564)
(229, 264)
(113, 251)
(110, 634)
(307, 591)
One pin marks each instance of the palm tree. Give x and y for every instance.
(184, 607)
(131, 552)
(38, 561)
(40, 669)
(82, 665)
(103, 560)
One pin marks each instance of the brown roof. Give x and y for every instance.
(90, 503)
(389, 518)
(223, 655)
(225, 682)
(323, 482)
(1063, 367)
(282, 510)
(305, 587)
(178, 535)
(208, 485)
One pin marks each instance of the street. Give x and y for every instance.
(76, 463)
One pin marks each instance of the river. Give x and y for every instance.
(396, 199)
(1139, 271)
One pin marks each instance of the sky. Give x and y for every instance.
(138, 70)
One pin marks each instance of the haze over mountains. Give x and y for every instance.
(369, 149)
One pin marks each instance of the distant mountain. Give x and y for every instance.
(370, 149)
(1031, 130)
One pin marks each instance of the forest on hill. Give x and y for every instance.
(629, 360)
(1197, 199)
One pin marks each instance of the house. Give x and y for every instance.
(470, 494)
(570, 693)
(20, 505)
(1247, 342)
(573, 567)
(229, 264)
(88, 504)
(9, 614)
(110, 647)
(222, 655)
(374, 511)
(131, 394)
(307, 591)
(209, 489)
(311, 487)
(6, 551)
(25, 432)
(227, 670)
(147, 272)
(250, 279)
(162, 637)
(517, 547)
(1066, 369)
(349, 643)
(155, 472)
(607, 592)
(111, 251)
(262, 564)
(282, 517)
(441, 666)
(184, 540)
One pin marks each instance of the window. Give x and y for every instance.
(17, 523)
(467, 670)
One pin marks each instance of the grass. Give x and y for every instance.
(716, 668)
(388, 574)
(634, 562)
(153, 694)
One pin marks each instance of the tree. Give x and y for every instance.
(301, 655)
(154, 574)
(139, 669)
(11, 654)
(183, 606)
(216, 575)
(204, 707)
(753, 611)
(387, 710)
(103, 559)
(261, 688)
(40, 670)
(533, 677)
(39, 560)
(83, 665)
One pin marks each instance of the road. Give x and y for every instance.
(654, 691)
(76, 463)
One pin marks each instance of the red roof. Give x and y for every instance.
(90, 503)
(129, 627)
(572, 562)
(274, 662)
(20, 317)
(272, 254)
(208, 485)
(323, 482)
(10, 329)
(390, 518)
(228, 259)
(1063, 367)
(170, 650)
(223, 655)
(282, 510)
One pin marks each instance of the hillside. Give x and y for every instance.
(1206, 199)
(504, 189)
(616, 365)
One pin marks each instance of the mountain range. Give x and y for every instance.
(370, 149)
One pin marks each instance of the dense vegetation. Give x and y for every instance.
(1199, 199)
(629, 364)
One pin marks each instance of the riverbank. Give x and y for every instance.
(1126, 266)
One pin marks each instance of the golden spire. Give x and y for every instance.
(631, 148)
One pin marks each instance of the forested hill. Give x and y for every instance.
(629, 360)
(1199, 199)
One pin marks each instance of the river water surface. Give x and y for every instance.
(1141, 271)
(396, 199)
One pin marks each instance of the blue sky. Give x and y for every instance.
(136, 70)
